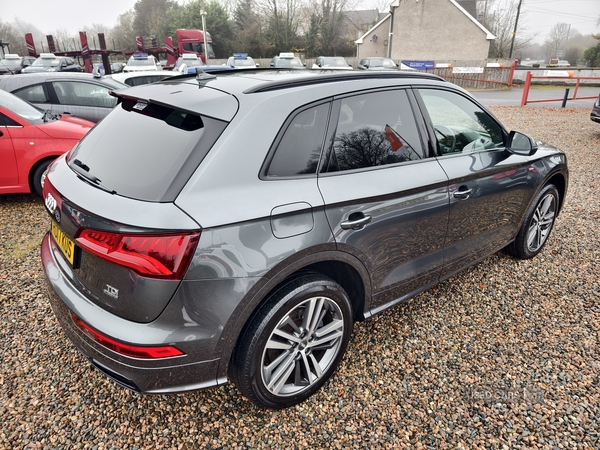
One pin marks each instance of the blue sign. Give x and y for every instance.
(419, 65)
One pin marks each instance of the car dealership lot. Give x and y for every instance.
(506, 352)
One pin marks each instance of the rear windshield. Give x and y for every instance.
(145, 151)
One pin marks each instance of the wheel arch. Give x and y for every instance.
(341, 267)
(44, 161)
(560, 182)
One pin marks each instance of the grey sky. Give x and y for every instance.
(73, 15)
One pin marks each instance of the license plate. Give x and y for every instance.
(66, 245)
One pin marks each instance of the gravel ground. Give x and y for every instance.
(504, 355)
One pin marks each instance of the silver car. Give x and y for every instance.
(234, 227)
(80, 95)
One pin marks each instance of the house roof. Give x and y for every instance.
(360, 39)
(396, 3)
(489, 35)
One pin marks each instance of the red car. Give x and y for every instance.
(30, 139)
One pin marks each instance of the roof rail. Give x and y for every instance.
(321, 78)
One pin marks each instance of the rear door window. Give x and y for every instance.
(34, 94)
(375, 129)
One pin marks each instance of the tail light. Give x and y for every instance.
(156, 256)
(133, 351)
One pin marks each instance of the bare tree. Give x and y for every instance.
(500, 20)
(556, 38)
(10, 35)
(122, 36)
(282, 18)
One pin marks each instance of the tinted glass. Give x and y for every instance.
(460, 125)
(8, 122)
(33, 94)
(300, 147)
(83, 94)
(374, 130)
(147, 151)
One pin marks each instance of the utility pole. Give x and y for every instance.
(512, 44)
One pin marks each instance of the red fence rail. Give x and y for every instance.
(524, 99)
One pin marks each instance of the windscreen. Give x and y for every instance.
(145, 151)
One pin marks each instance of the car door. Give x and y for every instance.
(487, 184)
(89, 101)
(9, 175)
(385, 198)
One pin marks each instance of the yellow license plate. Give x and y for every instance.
(66, 245)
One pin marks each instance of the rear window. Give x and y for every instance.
(146, 151)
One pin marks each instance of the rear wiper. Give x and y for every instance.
(83, 173)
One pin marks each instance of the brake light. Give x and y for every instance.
(157, 256)
(133, 351)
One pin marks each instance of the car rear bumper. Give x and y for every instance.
(156, 376)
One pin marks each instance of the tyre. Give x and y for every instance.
(36, 180)
(537, 225)
(293, 344)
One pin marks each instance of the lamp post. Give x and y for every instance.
(203, 14)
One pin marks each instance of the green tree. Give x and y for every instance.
(218, 24)
(150, 16)
(312, 37)
(592, 54)
(500, 20)
(248, 29)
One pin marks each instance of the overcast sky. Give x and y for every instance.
(73, 15)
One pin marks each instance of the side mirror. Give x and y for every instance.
(271, 65)
(521, 144)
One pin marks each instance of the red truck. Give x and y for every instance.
(188, 41)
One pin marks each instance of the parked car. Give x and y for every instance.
(204, 251)
(139, 62)
(29, 140)
(595, 114)
(117, 67)
(71, 94)
(286, 60)
(377, 64)
(331, 63)
(13, 64)
(191, 63)
(187, 63)
(139, 78)
(49, 62)
(241, 61)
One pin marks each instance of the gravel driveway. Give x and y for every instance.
(504, 355)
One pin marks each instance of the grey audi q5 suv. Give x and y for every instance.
(233, 227)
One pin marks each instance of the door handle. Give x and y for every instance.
(356, 221)
(464, 194)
